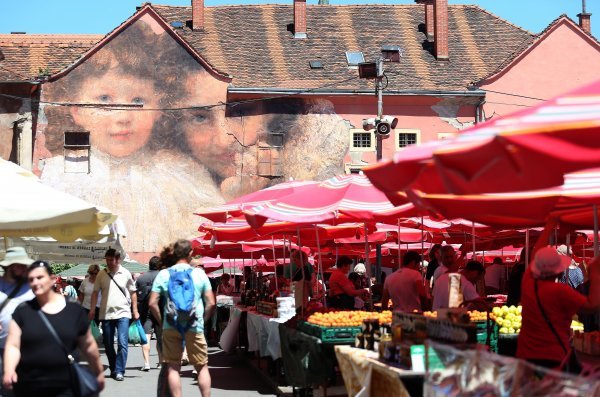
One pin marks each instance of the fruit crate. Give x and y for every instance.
(482, 334)
(335, 335)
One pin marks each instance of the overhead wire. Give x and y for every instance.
(139, 107)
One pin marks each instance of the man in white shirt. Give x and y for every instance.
(405, 286)
(448, 261)
(119, 305)
(469, 276)
(13, 284)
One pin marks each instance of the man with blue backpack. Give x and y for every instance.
(189, 303)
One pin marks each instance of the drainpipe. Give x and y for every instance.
(479, 113)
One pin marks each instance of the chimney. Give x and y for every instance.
(584, 19)
(584, 22)
(429, 29)
(198, 15)
(299, 19)
(440, 39)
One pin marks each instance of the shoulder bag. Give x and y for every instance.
(84, 383)
(119, 287)
(570, 363)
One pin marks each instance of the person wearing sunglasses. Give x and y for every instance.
(34, 363)
(87, 288)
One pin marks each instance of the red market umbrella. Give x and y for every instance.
(238, 229)
(530, 149)
(234, 208)
(521, 209)
(337, 200)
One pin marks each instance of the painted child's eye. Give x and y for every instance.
(198, 118)
(104, 98)
(137, 100)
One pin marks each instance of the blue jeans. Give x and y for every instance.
(116, 361)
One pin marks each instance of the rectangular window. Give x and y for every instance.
(362, 141)
(269, 162)
(406, 137)
(77, 152)
(350, 168)
(354, 58)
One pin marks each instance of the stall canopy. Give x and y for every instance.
(234, 208)
(337, 200)
(530, 149)
(519, 209)
(30, 208)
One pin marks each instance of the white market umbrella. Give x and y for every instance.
(29, 208)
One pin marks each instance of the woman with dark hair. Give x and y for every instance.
(34, 363)
(341, 289)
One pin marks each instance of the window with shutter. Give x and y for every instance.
(76, 152)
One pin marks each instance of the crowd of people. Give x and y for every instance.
(35, 304)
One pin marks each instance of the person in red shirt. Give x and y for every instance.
(341, 289)
(548, 308)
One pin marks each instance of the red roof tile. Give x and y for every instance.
(27, 56)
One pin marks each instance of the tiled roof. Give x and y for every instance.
(26, 56)
(252, 43)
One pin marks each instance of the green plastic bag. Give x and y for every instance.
(96, 332)
(134, 334)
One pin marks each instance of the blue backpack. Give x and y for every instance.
(180, 310)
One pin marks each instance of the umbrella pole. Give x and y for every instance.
(399, 242)
(526, 248)
(302, 270)
(595, 230)
(474, 257)
(274, 263)
(367, 263)
(5, 244)
(422, 248)
(320, 266)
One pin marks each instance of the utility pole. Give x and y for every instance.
(383, 124)
(379, 88)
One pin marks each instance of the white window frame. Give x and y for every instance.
(362, 149)
(398, 131)
(349, 166)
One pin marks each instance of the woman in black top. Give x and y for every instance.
(34, 363)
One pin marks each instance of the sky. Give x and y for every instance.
(102, 16)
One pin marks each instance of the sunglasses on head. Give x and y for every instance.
(38, 264)
(92, 273)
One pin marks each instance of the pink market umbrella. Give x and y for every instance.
(521, 209)
(530, 149)
(234, 208)
(335, 200)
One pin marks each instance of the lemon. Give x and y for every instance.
(503, 330)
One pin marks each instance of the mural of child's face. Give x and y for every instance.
(216, 141)
(119, 133)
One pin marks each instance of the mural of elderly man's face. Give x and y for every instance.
(216, 141)
(119, 133)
